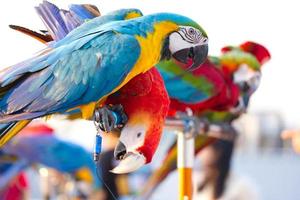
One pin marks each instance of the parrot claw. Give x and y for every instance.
(110, 117)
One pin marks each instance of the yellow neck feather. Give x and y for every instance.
(151, 46)
(132, 15)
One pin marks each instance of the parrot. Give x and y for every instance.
(144, 99)
(228, 83)
(10, 172)
(111, 54)
(37, 144)
(146, 103)
(222, 101)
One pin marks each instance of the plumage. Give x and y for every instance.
(104, 40)
(216, 109)
(191, 87)
(204, 88)
(42, 37)
(145, 102)
(221, 91)
(143, 95)
(53, 94)
(37, 144)
(111, 53)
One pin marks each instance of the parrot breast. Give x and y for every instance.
(145, 93)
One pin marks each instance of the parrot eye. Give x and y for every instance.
(139, 134)
(191, 31)
(191, 35)
(204, 40)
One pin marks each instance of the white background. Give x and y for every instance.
(272, 23)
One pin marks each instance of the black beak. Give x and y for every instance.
(246, 99)
(120, 151)
(193, 56)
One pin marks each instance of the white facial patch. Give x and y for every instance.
(133, 137)
(186, 37)
(254, 81)
(246, 74)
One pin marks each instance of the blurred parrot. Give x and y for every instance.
(231, 79)
(37, 144)
(144, 100)
(220, 84)
(111, 54)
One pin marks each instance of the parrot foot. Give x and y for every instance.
(107, 119)
(110, 117)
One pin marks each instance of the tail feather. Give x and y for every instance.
(9, 130)
(60, 22)
(44, 38)
(50, 14)
(85, 11)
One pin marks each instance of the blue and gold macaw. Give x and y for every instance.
(92, 62)
(144, 95)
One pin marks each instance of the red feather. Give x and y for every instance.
(225, 93)
(145, 93)
(259, 51)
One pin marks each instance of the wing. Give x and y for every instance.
(191, 87)
(95, 24)
(73, 74)
(60, 22)
(50, 151)
(66, 26)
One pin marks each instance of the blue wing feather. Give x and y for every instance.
(181, 90)
(89, 73)
(81, 11)
(110, 51)
(51, 152)
(60, 22)
(50, 14)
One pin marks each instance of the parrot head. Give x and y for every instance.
(188, 45)
(138, 141)
(243, 64)
(146, 103)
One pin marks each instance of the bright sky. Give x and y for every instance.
(272, 23)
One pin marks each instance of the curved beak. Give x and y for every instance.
(129, 161)
(193, 57)
(240, 107)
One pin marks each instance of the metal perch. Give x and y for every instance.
(187, 127)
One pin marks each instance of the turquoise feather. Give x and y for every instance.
(62, 81)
